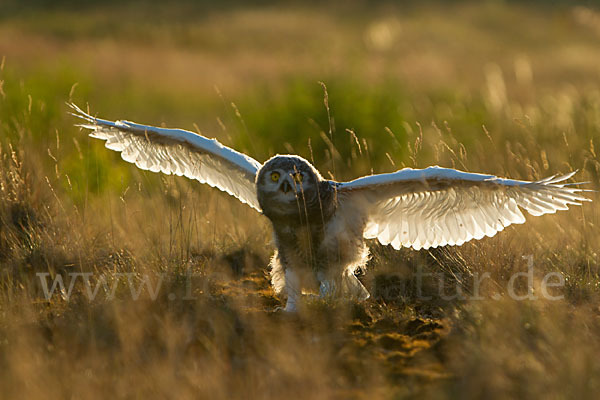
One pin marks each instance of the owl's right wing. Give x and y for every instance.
(178, 152)
(423, 208)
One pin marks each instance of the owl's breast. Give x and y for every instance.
(299, 245)
(306, 241)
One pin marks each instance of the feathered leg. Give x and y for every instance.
(277, 273)
(285, 279)
(352, 287)
(336, 277)
(293, 289)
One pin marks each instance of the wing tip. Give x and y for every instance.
(79, 113)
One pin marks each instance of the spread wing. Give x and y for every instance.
(179, 152)
(423, 208)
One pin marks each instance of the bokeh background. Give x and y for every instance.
(504, 87)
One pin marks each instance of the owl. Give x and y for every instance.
(320, 226)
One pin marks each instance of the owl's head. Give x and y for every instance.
(287, 185)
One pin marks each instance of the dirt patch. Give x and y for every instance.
(365, 337)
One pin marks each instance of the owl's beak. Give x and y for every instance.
(285, 187)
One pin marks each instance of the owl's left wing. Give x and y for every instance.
(178, 152)
(423, 208)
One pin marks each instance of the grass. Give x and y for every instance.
(504, 88)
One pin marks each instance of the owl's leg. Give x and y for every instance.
(328, 285)
(336, 277)
(292, 287)
(348, 286)
(352, 286)
(277, 273)
(285, 279)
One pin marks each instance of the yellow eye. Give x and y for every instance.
(298, 177)
(275, 176)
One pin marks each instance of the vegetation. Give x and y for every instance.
(170, 296)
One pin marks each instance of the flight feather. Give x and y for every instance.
(178, 152)
(431, 207)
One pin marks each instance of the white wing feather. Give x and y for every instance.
(423, 208)
(178, 152)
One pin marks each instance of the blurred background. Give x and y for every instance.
(248, 72)
(504, 87)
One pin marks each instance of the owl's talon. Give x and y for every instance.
(290, 307)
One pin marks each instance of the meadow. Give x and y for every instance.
(166, 291)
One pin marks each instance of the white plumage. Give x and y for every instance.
(431, 207)
(320, 226)
(178, 152)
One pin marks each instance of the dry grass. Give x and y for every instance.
(528, 73)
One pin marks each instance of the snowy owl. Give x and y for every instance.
(319, 225)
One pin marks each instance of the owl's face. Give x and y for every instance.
(286, 185)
